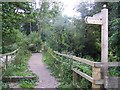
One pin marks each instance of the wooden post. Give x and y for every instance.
(75, 77)
(12, 55)
(104, 42)
(96, 74)
(6, 62)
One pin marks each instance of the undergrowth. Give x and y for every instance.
(19, 67)
(61, 69)
(27, 83)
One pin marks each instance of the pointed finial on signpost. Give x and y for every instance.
(104, 6)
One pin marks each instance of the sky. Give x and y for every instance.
(69, 7)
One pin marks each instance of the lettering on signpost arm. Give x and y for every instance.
(96, 19)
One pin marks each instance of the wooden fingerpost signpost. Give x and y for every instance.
(101, 19)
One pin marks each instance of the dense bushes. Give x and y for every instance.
(31, 42)
(34, 42)
(12, 40)
(9, 48)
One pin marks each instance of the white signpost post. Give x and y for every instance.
(101, 19)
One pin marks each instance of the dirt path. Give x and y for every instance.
(40, 69)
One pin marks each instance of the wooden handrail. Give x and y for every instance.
(56, 58)
(5, 63)
(110, 64)
(96, 71)
(91, 63)
(88, 62)
(89, 78)
(10, 52)
(113, 64)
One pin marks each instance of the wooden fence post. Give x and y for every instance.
(96, 74)
(6, 62)
(75, 78)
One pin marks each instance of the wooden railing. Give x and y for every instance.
(96, 78)
(6, 59)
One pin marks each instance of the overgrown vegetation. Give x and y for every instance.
(27, 84)
(27, 27)
(74, 36)
(62, 69)
(34, 42)
(19, 67)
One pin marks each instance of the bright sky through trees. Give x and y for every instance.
(69, 6)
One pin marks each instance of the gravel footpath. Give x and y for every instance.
(37, 66)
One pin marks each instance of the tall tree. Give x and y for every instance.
(13, 16)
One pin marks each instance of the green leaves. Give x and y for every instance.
(61, 68)
(13, 14)
(27, 84)
(33, 41)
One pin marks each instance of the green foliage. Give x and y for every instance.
(74, 36)
(114, 71)
(34, 42)
(19, 66)
(12, 40)
(115, 38)
(13, 15)
(27, 84)
(9, 48)
(5, 86)
(61, 69)
(83, 67)
(61, 33)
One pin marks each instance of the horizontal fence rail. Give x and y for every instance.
(10, 52)
(95, 79)
(88, 62)
(6, 59)
(96, 71)
(91, 63)
(83, 75)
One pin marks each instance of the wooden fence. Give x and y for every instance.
(96, 80)
(6, 59)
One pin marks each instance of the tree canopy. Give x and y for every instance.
(61, 33)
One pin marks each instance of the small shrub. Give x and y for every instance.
(28, 84)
